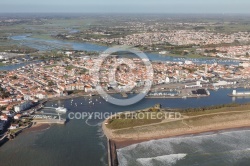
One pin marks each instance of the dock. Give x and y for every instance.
(239, 94)
(50, 121)
(49, 118)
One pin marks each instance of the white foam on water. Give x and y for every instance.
(166, 160)
(230, 146)
(238, 155)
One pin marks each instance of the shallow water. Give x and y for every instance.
(226, 148)
(81, 143)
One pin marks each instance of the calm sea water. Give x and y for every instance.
(77, 143)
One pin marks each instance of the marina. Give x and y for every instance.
(183, 93)
(35, 116)
(239, 94)
(48, 118)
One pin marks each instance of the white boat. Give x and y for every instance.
(61, 110)
(216, 88)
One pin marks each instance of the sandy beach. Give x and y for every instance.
(126, 137)
(37, 127)
(127, 142)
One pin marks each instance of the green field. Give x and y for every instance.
(189, 116)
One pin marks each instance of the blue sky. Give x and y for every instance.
(127, 6)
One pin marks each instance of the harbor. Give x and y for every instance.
(183, 93)
(239, 94)
(48, 119)
(84, 139)
(32, 116)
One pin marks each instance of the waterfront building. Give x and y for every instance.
(88, 88)
(197, 85)
(17, 116)
(223, 83)
(244, 64)
(14, 126)
(4, 117)
(23, 106)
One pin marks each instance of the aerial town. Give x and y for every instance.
(70, 76)
(53, 66)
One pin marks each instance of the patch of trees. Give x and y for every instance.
(4, 94)
(14, 77)
(51, 83)
(190, 70)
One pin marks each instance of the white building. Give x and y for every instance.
(68, 53)
(244, 64)
(197, 85)
(23, 106)
(88, 89)
(14, 126)
(167, 80)
(188, 62)
(41, 96)
(223, 83)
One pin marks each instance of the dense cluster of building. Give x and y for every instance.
(232, 52)
(178, 37)
(56, 78)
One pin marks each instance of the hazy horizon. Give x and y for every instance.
(129, 6)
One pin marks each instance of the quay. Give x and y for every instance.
(50, 121)
(112, 154)
(184, 93)
(35, 108)
(239, 94)
(111, 148)
(36, 117)
(48, 118)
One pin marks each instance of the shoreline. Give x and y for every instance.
(202, 57)
(232, 119)
(127, 142)
(38, 127)
(28, 129)
(120, 142)
(141, 133)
